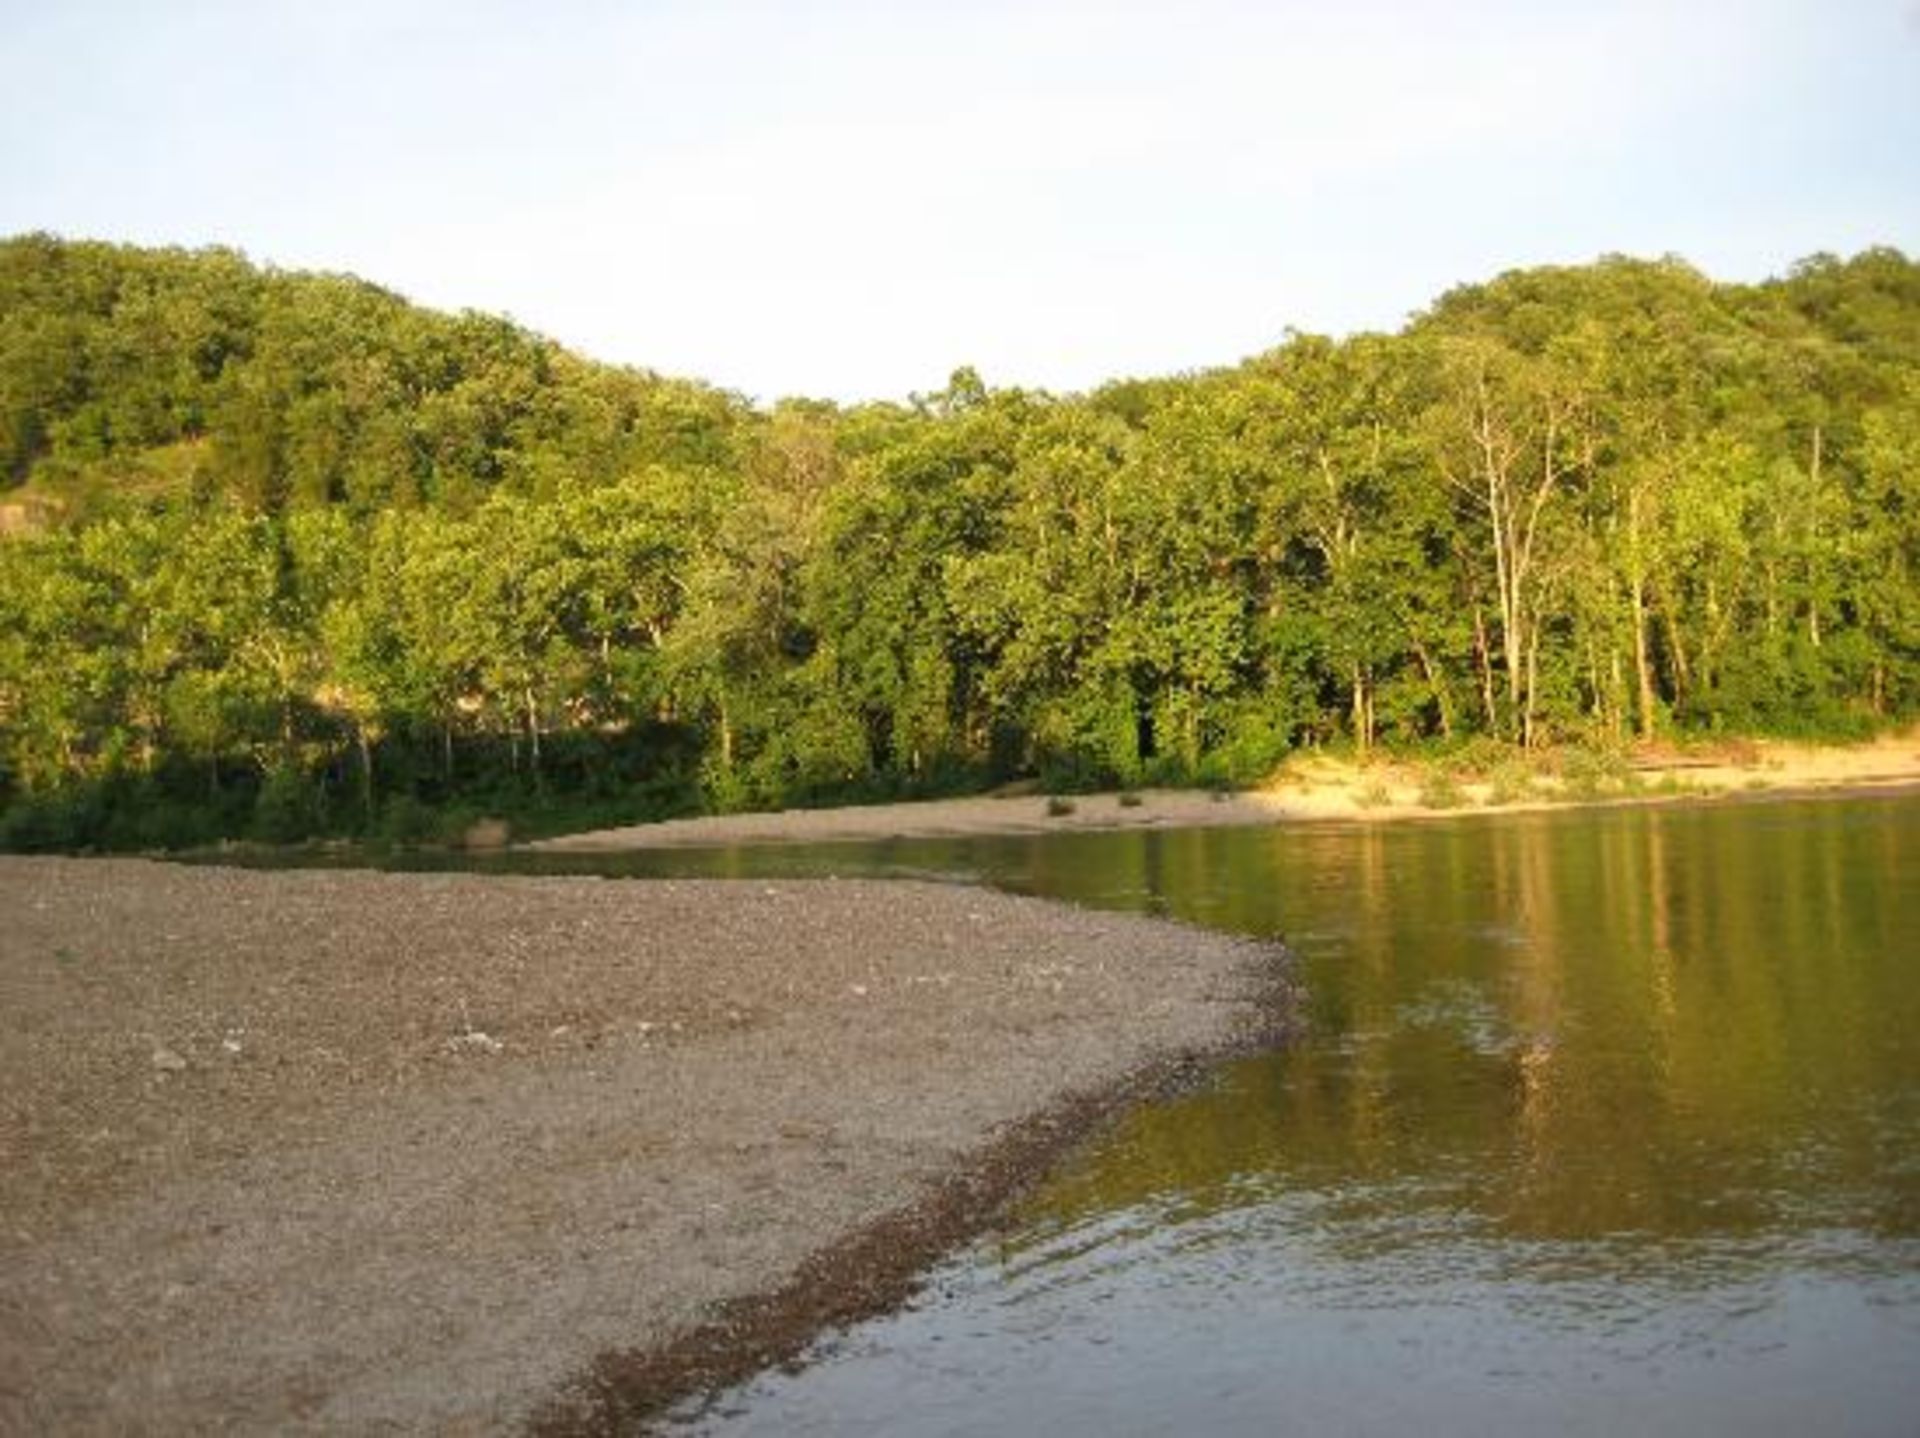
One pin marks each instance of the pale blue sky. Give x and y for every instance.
(849, 200)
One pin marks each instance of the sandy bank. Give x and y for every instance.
(1315, 788)
(936, 818)
(348, 1151)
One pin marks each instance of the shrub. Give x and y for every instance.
(1481, 755)
(288, 808)
(405, 821)
(49, 823)
(1591, 773)
(1441, 790)
(1510, 783)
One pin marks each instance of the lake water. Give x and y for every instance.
(1602, 1122)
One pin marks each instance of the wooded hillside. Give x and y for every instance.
(281, 553)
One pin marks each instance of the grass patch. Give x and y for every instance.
(1059, 806)
(1130, 800)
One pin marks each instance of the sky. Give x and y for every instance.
(851, 200)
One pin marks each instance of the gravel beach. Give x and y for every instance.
(348, 1151)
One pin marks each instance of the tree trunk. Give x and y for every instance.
(366, 766)
(1533, 675)
(1682, 679)
(533, 736)
(1435, 687)
(1618, 692)
(1483, 654)
(1362, 725)
(1813, 593)
(1642, 662)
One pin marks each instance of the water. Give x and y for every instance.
(1604, 1122)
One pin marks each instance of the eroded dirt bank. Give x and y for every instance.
(352, 1151)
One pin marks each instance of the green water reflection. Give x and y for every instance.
(1660, 1022)
(1600, 1121)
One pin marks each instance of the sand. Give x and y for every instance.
(1309, 789)
(354, 1152)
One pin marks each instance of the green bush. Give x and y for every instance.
(406, 822)
(288, 808)
(1375, 794)
(1481, 755)
(1510, 782)
(1593, 773)
(62, 821)
(1257, 740)
(1440, 790)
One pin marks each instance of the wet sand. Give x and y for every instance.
(346, 1151)
(1314, 788)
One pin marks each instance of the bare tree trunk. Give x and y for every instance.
(533, 735)
(1504, 578)
(365, 747)
(1362, 728)
(1642, 662)
(1813, 596)
(1435, 686)
(1619, 690)
(1682, 679)
(1485, 663)
(1533, 675)
(1710, 642)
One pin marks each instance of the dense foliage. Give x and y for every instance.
(281, 553)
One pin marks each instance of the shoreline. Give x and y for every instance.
(312, 1150)
(1308, 790)
(872, 1270)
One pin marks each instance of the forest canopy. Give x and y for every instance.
(281, 553)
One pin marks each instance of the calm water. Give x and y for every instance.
(1604, 1123)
